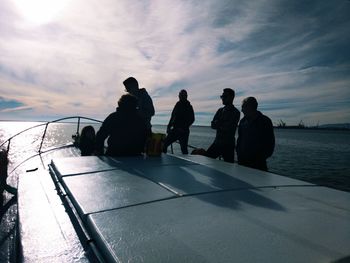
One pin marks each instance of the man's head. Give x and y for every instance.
(127, 102)
(131, 85)
(227, 96)
(249, 106)
(183, 95)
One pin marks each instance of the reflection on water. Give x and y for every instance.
(28, 143)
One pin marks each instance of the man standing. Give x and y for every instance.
(256, 140)
(181, 119)
(225, 123)
(145, 103)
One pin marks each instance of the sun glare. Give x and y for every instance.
(40, 11)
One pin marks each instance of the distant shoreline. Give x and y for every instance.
(312, 128)
(330, 127)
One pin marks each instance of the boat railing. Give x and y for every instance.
(75, 137)
(77, 120)
(46, 124)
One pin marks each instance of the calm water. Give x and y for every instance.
(317, 156)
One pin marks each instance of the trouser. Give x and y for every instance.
(227, 152)
(256, 164)
(176, 134)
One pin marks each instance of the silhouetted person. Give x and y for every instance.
(3, 175)
(87, 141)
(181, 119)
(125, 128)
(225, 123)
(256, 139)
(145, 103)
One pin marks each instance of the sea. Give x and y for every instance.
(318, 156)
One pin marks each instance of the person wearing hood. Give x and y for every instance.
(256, 139)
(145, 103)
(179, 124)
(125, 128)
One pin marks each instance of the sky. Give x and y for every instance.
(69, 57)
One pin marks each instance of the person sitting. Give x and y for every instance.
(181, 119)
(87, 141)
(256, 139)
(125, 128)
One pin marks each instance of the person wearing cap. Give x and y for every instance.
(145, 103)
(179, 124)
(225, 122)
(256, 139)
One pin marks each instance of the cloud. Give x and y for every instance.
(292, 56)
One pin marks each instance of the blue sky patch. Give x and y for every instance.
(9, 104)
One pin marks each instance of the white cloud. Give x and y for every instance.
(76, 63)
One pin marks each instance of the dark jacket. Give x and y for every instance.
(182, 116)
(225, 123)
(256, 141)
(126, 131)
(146, 108)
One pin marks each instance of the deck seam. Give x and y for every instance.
(199, 194)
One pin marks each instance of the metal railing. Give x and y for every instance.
(79, 118)
(46, 124)
(74, 136)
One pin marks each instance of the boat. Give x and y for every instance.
(172, 208)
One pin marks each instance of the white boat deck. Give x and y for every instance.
(190, 209)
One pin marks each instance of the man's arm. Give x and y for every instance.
(148, 106)
(102, 134)
(192, 118)
(269, 138)
(229, 121)
(215, 123)
(172, 118)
